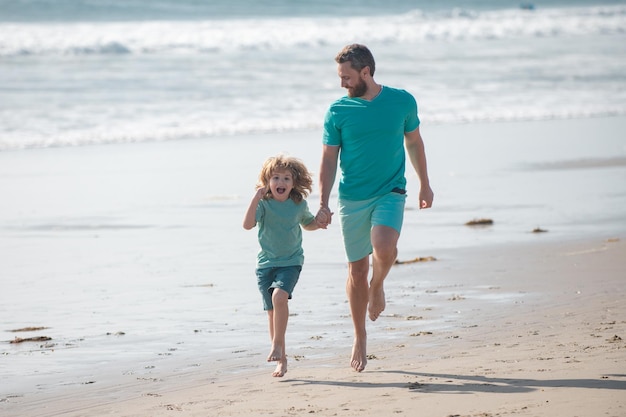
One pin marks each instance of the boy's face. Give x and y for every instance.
(281, 184)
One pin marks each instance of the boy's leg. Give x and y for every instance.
(281, 289)
(281, 316)
(270, 319)
(280, 299)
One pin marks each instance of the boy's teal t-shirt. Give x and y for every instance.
(371, 137)
(280, 234)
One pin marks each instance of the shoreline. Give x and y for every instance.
(315, 131)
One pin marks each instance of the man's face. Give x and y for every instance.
(351, 80)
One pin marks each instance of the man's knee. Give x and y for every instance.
(385, 242)
(386, 253)
(358, 271)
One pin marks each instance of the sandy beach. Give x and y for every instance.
(133, 259)
(557, 351)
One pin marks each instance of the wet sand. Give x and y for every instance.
(555, 345)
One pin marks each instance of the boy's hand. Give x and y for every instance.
(260, 192)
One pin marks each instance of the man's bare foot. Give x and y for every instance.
(281, 368)
(359, 356)
(376, 302)
(276, 354)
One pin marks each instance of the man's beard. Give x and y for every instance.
(358, 90)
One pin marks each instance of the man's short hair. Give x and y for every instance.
(359, 57)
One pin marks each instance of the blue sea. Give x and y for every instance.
(83, 72)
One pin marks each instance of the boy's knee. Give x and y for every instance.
(279, 296)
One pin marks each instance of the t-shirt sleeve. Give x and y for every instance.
(306, 216)
(412, 120)
(332, 135)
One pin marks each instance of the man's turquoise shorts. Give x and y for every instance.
(358, 218)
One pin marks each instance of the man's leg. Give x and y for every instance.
(385, 252)
(357, 290)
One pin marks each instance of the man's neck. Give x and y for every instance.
(372, 92)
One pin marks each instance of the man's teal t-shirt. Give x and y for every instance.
(371, 137)
(280, 234)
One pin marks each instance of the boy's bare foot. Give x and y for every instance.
(276, 354)
(359, 357)
(281, 368)
(376, 302)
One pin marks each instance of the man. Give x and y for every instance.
(367, 132)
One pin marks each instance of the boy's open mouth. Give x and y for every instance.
(280, 190)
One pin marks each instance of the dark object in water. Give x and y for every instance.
(29, 329)
(479, 222)
(31, 339)
(539, 230)
(527, 6)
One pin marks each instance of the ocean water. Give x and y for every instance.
(78, 72)
(131, 133)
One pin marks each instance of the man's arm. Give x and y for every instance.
(328, 172)
(415, 148)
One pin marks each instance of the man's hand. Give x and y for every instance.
(426, 197)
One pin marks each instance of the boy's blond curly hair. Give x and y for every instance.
(302, 181)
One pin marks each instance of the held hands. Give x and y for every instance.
(323, 217)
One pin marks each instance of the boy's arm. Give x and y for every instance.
(249, 221)
(320, 221)
(312, 225)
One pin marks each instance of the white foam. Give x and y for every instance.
(86, 83)
(191, 37)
